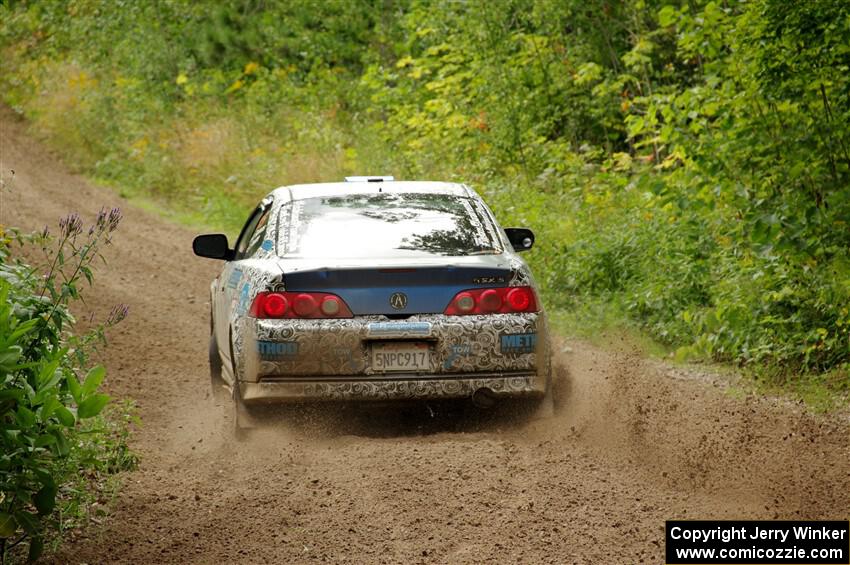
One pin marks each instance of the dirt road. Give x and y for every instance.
(634, 442)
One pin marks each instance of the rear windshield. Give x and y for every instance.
(385, 225)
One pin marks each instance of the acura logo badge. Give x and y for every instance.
(398, 300)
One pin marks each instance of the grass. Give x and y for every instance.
(823, 392)
(192, 218)
(105, 453)
(604, 325)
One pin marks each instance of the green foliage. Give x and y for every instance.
(684, 162)
(49, 418)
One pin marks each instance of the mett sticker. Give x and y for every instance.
(516, 344)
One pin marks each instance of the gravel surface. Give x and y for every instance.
(634, 442)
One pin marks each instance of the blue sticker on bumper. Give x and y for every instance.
(277, 349)
(399, 329)
(457, 351)
(516, 344)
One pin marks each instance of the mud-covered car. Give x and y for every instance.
(374, 289)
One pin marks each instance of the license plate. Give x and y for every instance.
(401, 356)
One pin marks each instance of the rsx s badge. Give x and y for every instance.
(398, 300)
(488, 280)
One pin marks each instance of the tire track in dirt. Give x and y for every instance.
(635, 442)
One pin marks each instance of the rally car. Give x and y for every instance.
(374, 289)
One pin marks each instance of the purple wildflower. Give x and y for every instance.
(114, 219)
(71, 225)
(118, 313)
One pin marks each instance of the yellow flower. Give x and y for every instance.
(234, 87)
(251, 68)
(182, 79)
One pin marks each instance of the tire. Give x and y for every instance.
(217, 385)
(244, 418)
(544, 408)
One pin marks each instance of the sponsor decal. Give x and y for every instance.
(398, 329)
(346, 356)
(457, 350)
(277, 349)
(267, 245)
(244, 298)
(235, 277)
(288, 238)
(480, 236)
(515, 344)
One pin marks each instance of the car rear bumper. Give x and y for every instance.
(396, 387)
(460, 346)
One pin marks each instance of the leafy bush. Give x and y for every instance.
(50, 430)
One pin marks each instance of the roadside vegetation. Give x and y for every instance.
(685, 163)
(61, 442)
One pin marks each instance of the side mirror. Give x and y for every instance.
(521, 238)
(212, 246)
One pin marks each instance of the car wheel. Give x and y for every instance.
(217, 385)
(245, 418)
(544, 408)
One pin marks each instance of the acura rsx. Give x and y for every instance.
(375, 289)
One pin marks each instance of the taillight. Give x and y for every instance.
(304, 305)
(331, 306)
(299, 305)
(464, 302)
(490, 300)
(519, 299)
(275, 305)
(505, 300)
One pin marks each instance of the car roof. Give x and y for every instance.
(325, 189)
